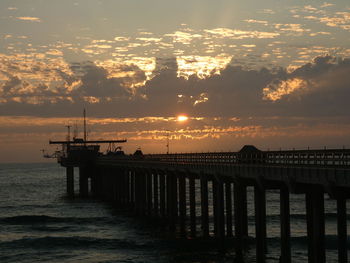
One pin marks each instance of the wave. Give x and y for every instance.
(44, 219)
(297, 217)
(331, 241)
(76, 242)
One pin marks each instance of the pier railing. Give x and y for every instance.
(329, 157)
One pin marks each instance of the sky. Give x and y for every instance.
(270, 73)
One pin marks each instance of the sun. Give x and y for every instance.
(182, 118)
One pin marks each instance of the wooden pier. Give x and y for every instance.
(164, 186)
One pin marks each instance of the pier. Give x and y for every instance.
(165, 185)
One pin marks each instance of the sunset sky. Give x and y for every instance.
(270, 73)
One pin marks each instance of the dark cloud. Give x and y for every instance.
(327, 89)
(324, 89)
(95, 82)
(10, 85)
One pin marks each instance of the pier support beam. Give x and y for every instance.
(149, 193)
(228, 199)
(260, 223)
(132, 188)
(240, 216)
(342, 230)
(95, 181)
(70, 180)
(192, 193)
(172, 205)
(285, 225)
(315, 225)
(244, 213)
(219, 213)
(215, 208)
(204, 206)
(162, 199)
(116, 180)
(127, 188)
(155, 195)
(182, 203)
(140, 192)
(83, 181)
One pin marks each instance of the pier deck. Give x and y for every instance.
(162, 185)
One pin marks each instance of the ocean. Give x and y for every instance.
(38, 223)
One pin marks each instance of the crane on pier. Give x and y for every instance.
(76, 148)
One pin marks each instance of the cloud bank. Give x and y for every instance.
(318, 88)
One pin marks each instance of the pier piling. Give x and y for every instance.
(182, 203)
(228, 206)
(204, 206)
(260, 222)
(342, 230)
(192, 193)
(285, 225)
(70, 180)
(83, 181)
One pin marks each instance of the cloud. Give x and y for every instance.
(263, 22)
(202, 66)
(277, 89)
(292, 29)
(240, 34)
(325, 4)
(29, 18)
(122, 39)
(95, 83)
(340, 19)
(267, 107)
(183, 37)
(318, 88)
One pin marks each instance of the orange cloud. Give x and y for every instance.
(29, 18)
(275, 91)
(202, 66)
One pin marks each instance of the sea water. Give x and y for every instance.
(39, 224)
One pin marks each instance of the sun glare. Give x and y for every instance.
(182, 118)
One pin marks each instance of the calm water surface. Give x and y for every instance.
(39, 224)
